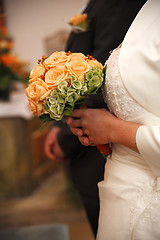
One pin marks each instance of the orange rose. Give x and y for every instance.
(36, 107)
(95, 63)
(55, 59)
(77, 64)
(55, 76)
(77, 55)
(38, 71)
(37, 90)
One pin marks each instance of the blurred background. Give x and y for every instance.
(33, 190)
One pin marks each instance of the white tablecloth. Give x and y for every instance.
(17, 106)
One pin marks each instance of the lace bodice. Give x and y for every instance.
(117, 98)
(123, 106)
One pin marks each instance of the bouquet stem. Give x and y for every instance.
(104, 149)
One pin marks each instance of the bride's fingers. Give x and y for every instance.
(77, 113)
(69, 120)
(74, 123)
(77, 131)
(84, 140)
(85, 132)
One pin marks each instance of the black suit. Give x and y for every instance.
(110, 20)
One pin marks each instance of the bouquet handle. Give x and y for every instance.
(104, 149)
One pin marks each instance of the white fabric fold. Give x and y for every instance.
(148, 143)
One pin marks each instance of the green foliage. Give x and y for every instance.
(71, 93)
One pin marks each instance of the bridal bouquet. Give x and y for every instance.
(62, 82)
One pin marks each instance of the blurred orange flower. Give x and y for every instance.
(11, 68)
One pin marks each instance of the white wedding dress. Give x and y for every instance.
(130, 192)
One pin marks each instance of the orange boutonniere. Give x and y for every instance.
(80, 22)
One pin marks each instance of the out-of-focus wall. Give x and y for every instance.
(30, 22)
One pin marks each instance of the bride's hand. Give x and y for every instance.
(92, 126)
(98, 126)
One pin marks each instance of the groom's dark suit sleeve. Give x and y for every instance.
(110, 20)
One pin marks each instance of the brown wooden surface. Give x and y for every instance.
(23, 163)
